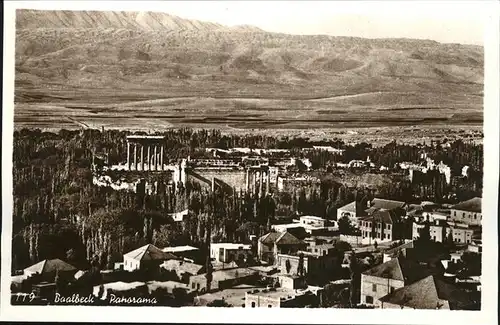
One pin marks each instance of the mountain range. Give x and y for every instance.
(159, 65)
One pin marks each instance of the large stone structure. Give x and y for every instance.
(145, 153)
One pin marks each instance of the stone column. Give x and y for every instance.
(142, 156)
(161, 157)
(128, 156)
(149, 157)
(135, 156)
(156, 157)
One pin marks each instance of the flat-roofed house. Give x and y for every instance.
(387, 277)
(183, 269)
(468, 212)
(223, 279)
(186, 252)
(229, 252)
(429, 293)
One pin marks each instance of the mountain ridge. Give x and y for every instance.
(141, 56)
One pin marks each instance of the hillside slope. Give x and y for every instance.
(114, 58)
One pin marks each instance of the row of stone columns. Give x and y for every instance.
(137, 161)
(255, 180)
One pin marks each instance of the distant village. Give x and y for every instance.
(377, 252)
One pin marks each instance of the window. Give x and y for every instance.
(193, 285)
(454, 213)
(253, 304)
(324, 252)
(369, 299)
(389, 227)
(198, 286)
(475, 216)
(392, 289)
(463, 215)
(374, 287)
(388, 236)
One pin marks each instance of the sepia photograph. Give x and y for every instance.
(245, 155)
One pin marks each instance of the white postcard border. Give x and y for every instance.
(487, 315)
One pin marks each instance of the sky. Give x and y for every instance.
(444, 21)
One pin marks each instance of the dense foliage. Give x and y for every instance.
(58, 212)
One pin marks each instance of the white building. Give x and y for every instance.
(228, 252)
(311, 224)
(179, 216)
(144, 257)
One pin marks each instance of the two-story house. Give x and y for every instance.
(384, 225)
(274, 243)
(385, 278)
(468, 212)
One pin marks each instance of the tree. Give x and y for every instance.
(300, 265)
(288, 266)
(345, 226)
(209, 275)
(219, 303)
(101, 292)
(58, 281)
(424, 235)
(354, 269)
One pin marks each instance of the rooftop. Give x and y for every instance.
(284, 238)
(182, 266)
(152, 137)
(351, 207)
(231, 245)
(222, 275)
(234, 296)
(49, 266)
(174, 249)
(398, 268)
(472, 205)
(324, 246)
(282, 293)
(399, 248)
(149, 252)
(169, 285)
(313, 218)
(121, 286)
(228, 274)
(387, 204)
(429, 293)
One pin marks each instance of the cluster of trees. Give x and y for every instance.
(59, 213)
